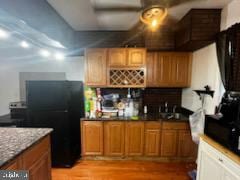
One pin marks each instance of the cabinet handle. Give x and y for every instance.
(220, 160)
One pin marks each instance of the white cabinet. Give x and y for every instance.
(212, 164)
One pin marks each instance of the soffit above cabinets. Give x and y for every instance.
(81, 16)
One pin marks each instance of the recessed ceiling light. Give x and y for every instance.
(44, 53)
(59, 56)
(25, 44)
(4, 34)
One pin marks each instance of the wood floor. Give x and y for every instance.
(123, 170)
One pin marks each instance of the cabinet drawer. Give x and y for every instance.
(152, 125)
(221, 158)
(175, 125)
(34, 153)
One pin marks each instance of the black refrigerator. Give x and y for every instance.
(58, 105)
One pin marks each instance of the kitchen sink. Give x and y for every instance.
(170, 115)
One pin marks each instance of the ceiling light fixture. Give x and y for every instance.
(59, 56)
(153, 15)
(44, 53)
(25, 44)
(4, 34)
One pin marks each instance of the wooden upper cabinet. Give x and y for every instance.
(169, 69)
(164, 70)
(114, 134)
(92, 138)
(186, 147)
(151, 69)
(117, 57)
(96, 67)
(152, 139)
(182, 66)
(136, 57)
(134, 138)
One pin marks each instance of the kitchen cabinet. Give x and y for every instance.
(92, 138)
(186, 147)
(146, 139)
(152, 139)
(151, 69)
(114, 135)
(37, 160)
(169, 143)
(197, 29)
(117, 57)
(181, 69)
(96, 67)
(168, 69)
(136, 57)
(213, 164)
(134, 138)
(126, 57)
(38, 170)
(177, 140)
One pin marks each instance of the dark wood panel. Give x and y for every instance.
(198, 28)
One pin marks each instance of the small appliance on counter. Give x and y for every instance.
(224, 127)
(18, 110)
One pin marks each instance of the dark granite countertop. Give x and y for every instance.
(6, 120)
(148, 117)
(13, 141)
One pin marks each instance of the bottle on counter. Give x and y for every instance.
(145, 109)
(98, 103)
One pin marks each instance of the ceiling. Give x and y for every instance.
(80, 14)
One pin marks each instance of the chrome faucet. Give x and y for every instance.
(174, 109)
(166, 107)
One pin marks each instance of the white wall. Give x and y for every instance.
(205, 69)
(12, 64)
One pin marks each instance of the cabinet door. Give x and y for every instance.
(41, 169)
(169, 143)
(96, 67)
(186, 147)
(134, 138)
(92, 138)
(151, 64)
(136, 57)
(152, 139)
(181, 69)
(209, 167)
(164, 70)
(228, 175)
(114, 138)
(117, 57)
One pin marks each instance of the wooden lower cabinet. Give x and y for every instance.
(134, 138)
(177, 141)
(37, 160)
(147, 139)
(92, 138)
(169, 143)
(152, 139)
(186, 147)
(114, 135)
(38, 170)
